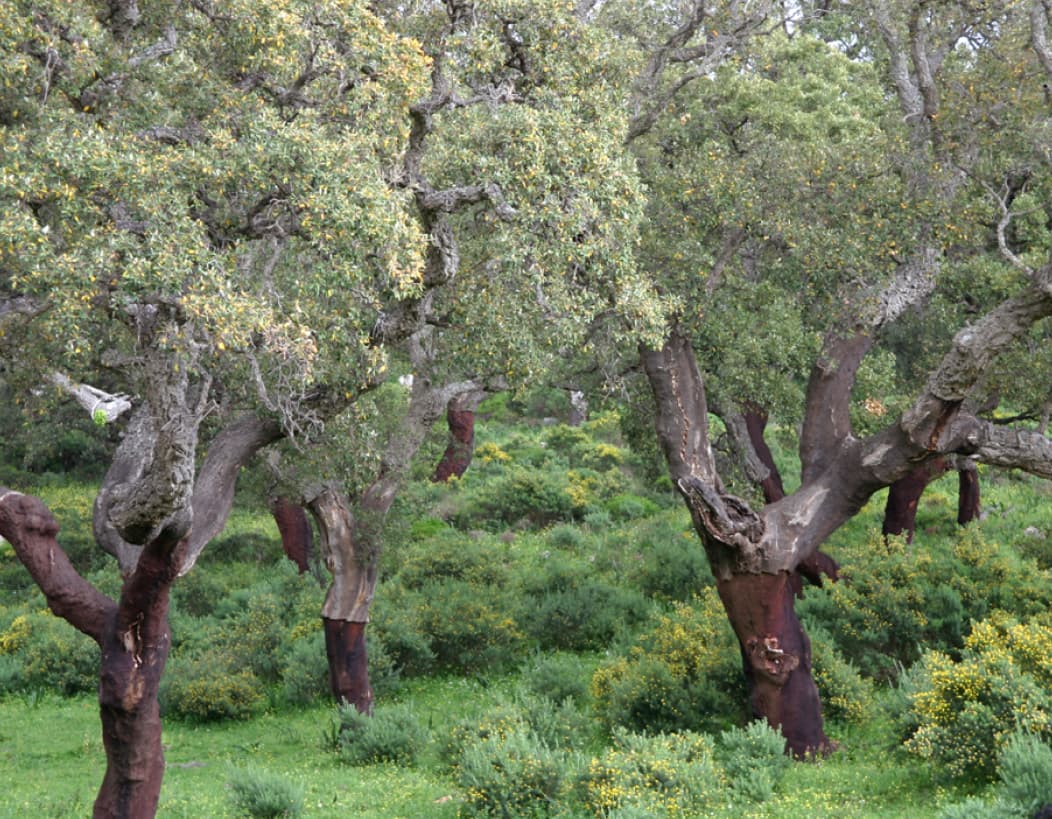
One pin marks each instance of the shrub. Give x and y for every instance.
(582, 615)
(845, 695)
(964, 711)
(673, 567)
(673, 774)
(899, 599)
(684, 673)
(515, 775)
(629, 507)
(53, 655)
(305, 676)
(206, 690)
(754, 759)
(468, 627)
(390, 735)
(1025, 770)
(557, 676)
(265, 795)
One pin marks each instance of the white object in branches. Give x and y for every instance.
(103, 407)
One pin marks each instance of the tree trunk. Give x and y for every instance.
(900, 511)
(346, 609)
(460, 415)
(297, 539)
(348, 663)
(134, 653)
(967, 493)
(777, 658)
(757, 592)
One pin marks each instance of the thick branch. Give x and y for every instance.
(95, 401)
(28, 525)
(1040, 11)
(213, 495)
(1011, 448)
(681, 410)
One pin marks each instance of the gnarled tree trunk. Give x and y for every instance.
(133, 632)
(460, 415)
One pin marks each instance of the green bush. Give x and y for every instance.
(684, 673)
(897, 600)
(963, 712)
(515, 775)
(468, 627)
(1025, 770)
(265, 795)
(644, 775)
(846, 696)
(753, 759)
(305, 675)
(558, 677)
(53, 655)
(391, 734)
(673, 567)
(627, 506)
(206, 689)
(579, 614)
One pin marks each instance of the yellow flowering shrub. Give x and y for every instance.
(966, 710)
(666, 775)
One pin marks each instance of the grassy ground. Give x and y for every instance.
(51, 761)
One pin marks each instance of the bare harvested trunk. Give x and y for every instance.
(134, 652)
(348, 663)
(900, 511)
(297, 539)
(757, 597)
(968, 506)
(777, 658)
(460, 415)
(346, 610)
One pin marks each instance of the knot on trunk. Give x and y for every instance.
(769, 660)
(727, 518)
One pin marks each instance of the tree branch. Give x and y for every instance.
(28, 525)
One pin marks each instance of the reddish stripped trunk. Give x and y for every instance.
(297, 539)
(900, 513)
(460, 416)
(756, 422)
(457, 457)
(967, 494)
(348, 663)
(777, 656)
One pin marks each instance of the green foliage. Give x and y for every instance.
(392, 734)
(965, 711)
(206, 689)
(566, 607)
(558, 677)
(673, 565)
(897, 600)
(846, 696)
(305, 672)
(1024, 768)
(264, 795)
(514, 775)
(665, 774)
(684, 673)
(50, 655)
(753, 759)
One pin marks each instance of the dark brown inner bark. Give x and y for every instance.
(777, 658)
(348, 663)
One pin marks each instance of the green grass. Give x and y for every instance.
(51, 761)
